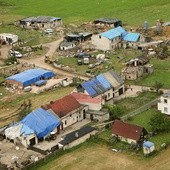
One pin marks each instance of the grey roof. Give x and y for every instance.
(42, 19)
(114, 79)
(167, 95)
(66, 44)
(72, 137)
(107, 20)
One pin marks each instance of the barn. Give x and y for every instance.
(27, 78)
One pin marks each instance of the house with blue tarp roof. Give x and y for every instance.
(28, 77)
(116, 38)
(42, 122)
(104, 86)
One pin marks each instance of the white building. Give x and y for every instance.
(164, 104)
(9, 38)
(148, 147)
(116, 38)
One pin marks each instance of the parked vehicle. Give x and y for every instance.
(86, 61)
(151, 51)
(49, 31)
(91, 66)
(16, 54)
(27, 89)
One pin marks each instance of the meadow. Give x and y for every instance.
(131, 12)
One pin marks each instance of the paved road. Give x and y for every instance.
(39, 62)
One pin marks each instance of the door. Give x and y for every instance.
(32, 141)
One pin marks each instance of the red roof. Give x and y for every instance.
(85, 98)
(128, 130)
(63, 106)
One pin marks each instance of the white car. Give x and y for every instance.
(16, 54)
(49, 31)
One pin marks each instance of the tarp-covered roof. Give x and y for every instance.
(41, 121)
(148, 144)
(132, 37)
(103, 81)
(31, 76)
(115, 32)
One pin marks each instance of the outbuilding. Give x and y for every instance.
(148, 147)
(77, 137)
(27, 78)
(7, 38)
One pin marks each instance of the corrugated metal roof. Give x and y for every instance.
(116, 32)
(103, 81)
(113, 78)
(132, 37)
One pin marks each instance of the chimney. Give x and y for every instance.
(76, 134)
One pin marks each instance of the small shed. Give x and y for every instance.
(8, 38)
(67, 45)
(148, 147)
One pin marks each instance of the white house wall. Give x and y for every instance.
(163, 106)
(127, 140)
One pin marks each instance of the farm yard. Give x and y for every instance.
(102, 64)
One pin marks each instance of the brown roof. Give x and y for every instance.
(63, 106)
(127, 130)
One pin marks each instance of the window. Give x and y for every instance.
(100, 36)
(108, 94)
(165, 109)
(165, 101)
(70, 115)
(65, 122)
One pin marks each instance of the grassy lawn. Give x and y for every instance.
(131, 12)
(133, 103)
(143, 119)
(161, 73)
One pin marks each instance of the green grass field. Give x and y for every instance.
(161, 74)
(131, 12)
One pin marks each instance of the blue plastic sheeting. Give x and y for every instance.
(41, 122)
(105, 83)
(89, 89)
(132, 37)
(116, 32)
(148, 144)
(95, 87)
(25, 130)
(40, 82)
(31, 76)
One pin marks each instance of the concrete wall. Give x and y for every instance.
(26, 140)
(92, 106)
(127, 140)
(80, 140)
(101, 43)
(74, 117)
(164, 105)
(100, 118)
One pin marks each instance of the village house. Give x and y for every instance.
(128, 133)
(95, 111)
(136, 68)
(67, 45)
(28, 77)
(116, 38)
(7, 38)
(108, 22)
(40, 22)
(68, 110)
(164, 104)
(104, 86)
(78, 37)
(75, 138)
(36, 126)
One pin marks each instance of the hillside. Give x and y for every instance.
(131, 12)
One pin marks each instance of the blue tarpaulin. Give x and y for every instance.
(40, 82)
(31, 76)
(41, 122)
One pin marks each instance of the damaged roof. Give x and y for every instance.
(107, 20)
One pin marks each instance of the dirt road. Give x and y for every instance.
(39, 62)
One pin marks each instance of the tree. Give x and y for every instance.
(159, 123)
(114, 111)
(158, 86)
